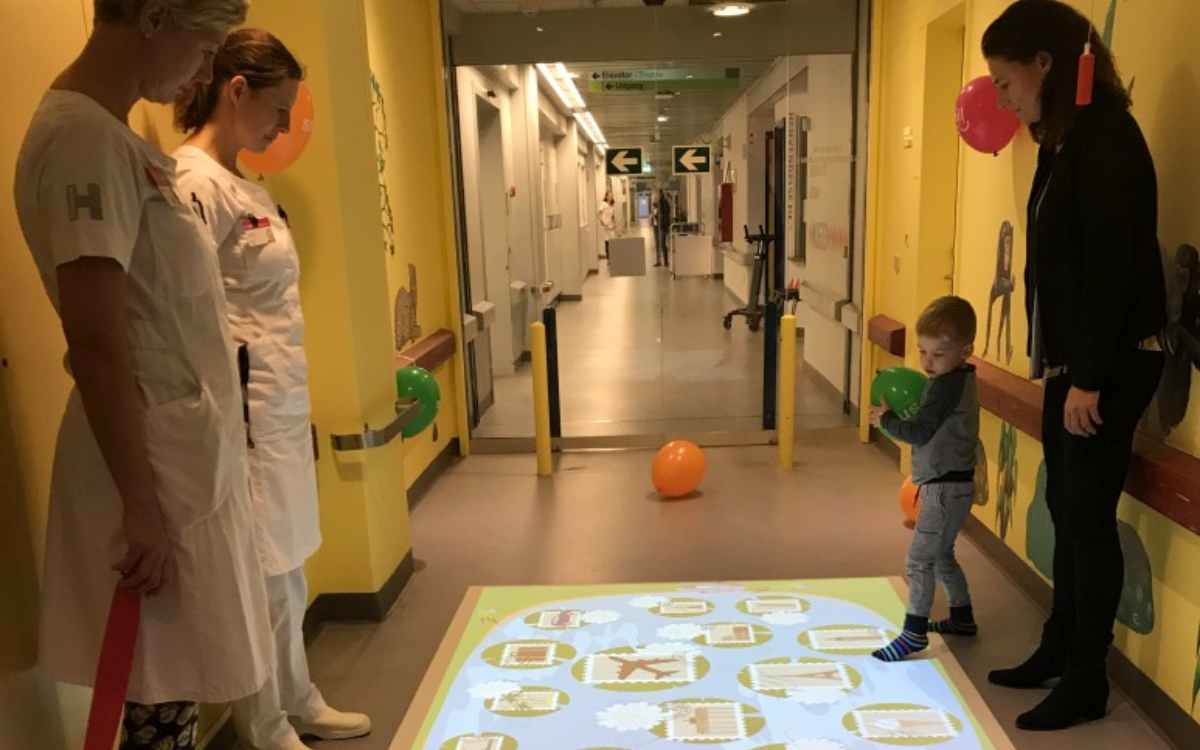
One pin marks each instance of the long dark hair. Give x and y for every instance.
(254, 54)
(1028, 27)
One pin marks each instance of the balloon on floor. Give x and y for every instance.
(678, 469)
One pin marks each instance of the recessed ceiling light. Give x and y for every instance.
(717, 35)
(663, 118)
(730, 10)
(540, 28)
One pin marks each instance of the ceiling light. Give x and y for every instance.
(663, 118)
(540, 28)
(588, 123)
(560, 81)
(569, 86)
(730, 10)
(717, 35)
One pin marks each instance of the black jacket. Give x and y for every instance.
(1093, 255)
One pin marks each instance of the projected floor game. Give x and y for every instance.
(779, 665)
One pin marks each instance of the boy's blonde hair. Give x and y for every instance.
(950, 319)
(218, 16)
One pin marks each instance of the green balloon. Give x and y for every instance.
(417, 383)
(902, 388)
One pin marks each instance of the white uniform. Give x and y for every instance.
(88, 186)
(608, 223)
(261, 273)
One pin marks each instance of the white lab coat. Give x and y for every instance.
(88, 186)
(608, 222)
(261, 272)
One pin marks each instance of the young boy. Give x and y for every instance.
(944, 434)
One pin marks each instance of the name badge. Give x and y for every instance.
(256, 231)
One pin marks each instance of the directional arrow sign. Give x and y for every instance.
(619, 161)
(693, 159)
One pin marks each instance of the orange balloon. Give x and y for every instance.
(910, 500)
(287, 146)
(678, 469)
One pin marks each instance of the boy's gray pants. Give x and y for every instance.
(944, 509)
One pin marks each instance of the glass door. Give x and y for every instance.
(655, 211)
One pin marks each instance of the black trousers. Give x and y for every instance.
(660, 241)
(1084, 480)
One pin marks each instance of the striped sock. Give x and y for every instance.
(906, 644)
(960, 622)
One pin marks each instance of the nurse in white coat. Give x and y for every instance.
(246, 106)
(148, 491)
(608, 220)
(607, 216)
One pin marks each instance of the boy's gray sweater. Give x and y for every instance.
(945, 431)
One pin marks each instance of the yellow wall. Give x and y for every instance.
(404, 41)
(330, 195)
(33, 389)
(1150, 43)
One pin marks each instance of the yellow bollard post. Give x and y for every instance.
(787, 391)
(541, 400)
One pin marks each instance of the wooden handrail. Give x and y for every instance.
(430, 352)
(1163, 478)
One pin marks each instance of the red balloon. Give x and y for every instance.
(981, 123)
(287, 146)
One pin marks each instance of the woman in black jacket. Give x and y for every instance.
(1095, 297)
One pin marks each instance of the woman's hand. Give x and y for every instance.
(1081, 415)
(149, 562)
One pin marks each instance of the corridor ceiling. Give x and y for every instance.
(650, 42)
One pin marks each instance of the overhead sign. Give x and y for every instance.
(692, 159)
(623, 161)
(666, 74)
(638, 87)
